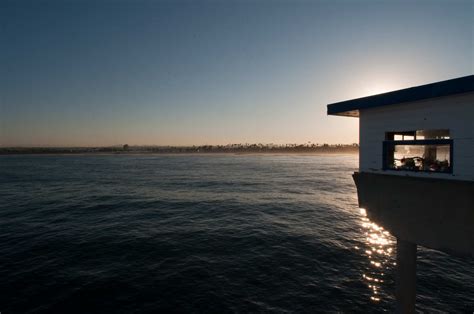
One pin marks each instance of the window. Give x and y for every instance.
(423, 150)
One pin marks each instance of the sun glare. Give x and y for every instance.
(377, 88)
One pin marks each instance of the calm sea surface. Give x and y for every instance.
(203, 234)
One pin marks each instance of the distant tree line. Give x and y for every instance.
(229, 148)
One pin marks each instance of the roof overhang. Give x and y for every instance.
(351, 108)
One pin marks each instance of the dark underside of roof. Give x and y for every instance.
(351, 108)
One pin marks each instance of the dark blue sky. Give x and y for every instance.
(208, 72)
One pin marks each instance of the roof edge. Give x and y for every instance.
(454, 86)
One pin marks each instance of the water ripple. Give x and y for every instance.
(201, 234)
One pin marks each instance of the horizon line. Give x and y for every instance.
(308, 144)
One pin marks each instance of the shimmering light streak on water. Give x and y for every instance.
(378, 249)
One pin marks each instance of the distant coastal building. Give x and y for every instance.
(416, 170)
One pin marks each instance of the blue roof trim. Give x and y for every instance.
(439, 89)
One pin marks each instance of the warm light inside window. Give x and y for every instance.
(420, 150)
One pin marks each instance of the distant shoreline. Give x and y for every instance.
(182, 154)
(188, 150)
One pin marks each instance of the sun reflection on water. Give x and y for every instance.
(378, 249)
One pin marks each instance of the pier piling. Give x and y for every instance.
(406, 277)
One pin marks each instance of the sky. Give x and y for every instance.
(90, 73)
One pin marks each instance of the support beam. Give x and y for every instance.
(406, 277)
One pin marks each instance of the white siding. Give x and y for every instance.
(455, 113)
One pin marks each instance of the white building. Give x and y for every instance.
(424, 131)
(416, 170)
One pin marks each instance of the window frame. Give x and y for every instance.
(393, 143)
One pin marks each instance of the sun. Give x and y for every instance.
(377, 88)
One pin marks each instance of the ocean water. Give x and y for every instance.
(202, 234)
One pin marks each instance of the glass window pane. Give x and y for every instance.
(432, 134)
(434, 158)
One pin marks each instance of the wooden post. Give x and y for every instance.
(406, 277)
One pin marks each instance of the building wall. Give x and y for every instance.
(455, 113)
(434, 213)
